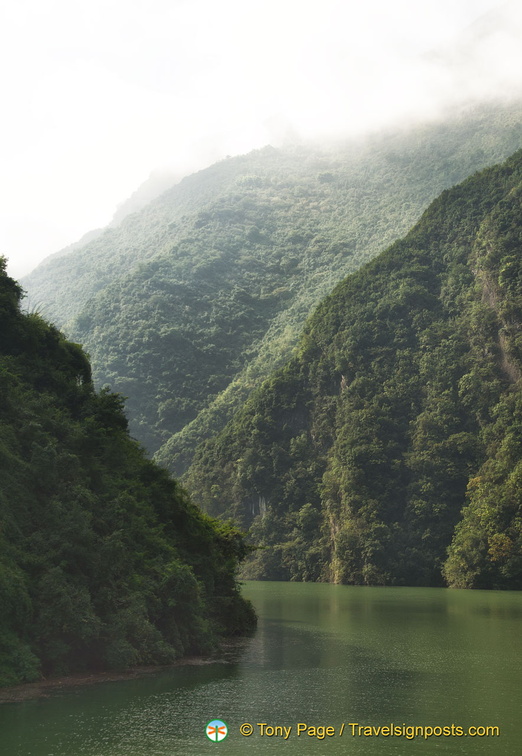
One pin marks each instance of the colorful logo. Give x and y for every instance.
(216, 730)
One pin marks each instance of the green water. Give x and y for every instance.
(322, 655)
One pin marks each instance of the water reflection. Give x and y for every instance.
(322, 654)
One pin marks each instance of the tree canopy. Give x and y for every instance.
(104, 561)
(191, 302)
(388, 450)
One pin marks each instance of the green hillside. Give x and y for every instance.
(402, 405)
(191, 302)
(104, 561)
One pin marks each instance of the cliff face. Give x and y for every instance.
(401, 407)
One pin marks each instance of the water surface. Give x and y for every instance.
(323, 655)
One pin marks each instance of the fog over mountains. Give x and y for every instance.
(103, 94)
(350, 398)
(191, 302)
(309, 313)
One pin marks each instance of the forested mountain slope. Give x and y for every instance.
(190, 303)
(156, 184)
(402, 406)
(104, 562)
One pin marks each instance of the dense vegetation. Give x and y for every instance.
(402, 405)
(104, 561)
(187, 305)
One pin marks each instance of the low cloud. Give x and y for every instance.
(102, 93)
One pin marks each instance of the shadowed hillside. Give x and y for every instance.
(104, 561)
(402, 406)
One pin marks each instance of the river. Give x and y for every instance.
(379, 660)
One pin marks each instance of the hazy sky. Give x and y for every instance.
(97, 94)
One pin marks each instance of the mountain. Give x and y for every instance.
(388, 450)
(157, 183)
(190, 303)
(104, 561)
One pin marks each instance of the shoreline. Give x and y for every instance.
(45, 688)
